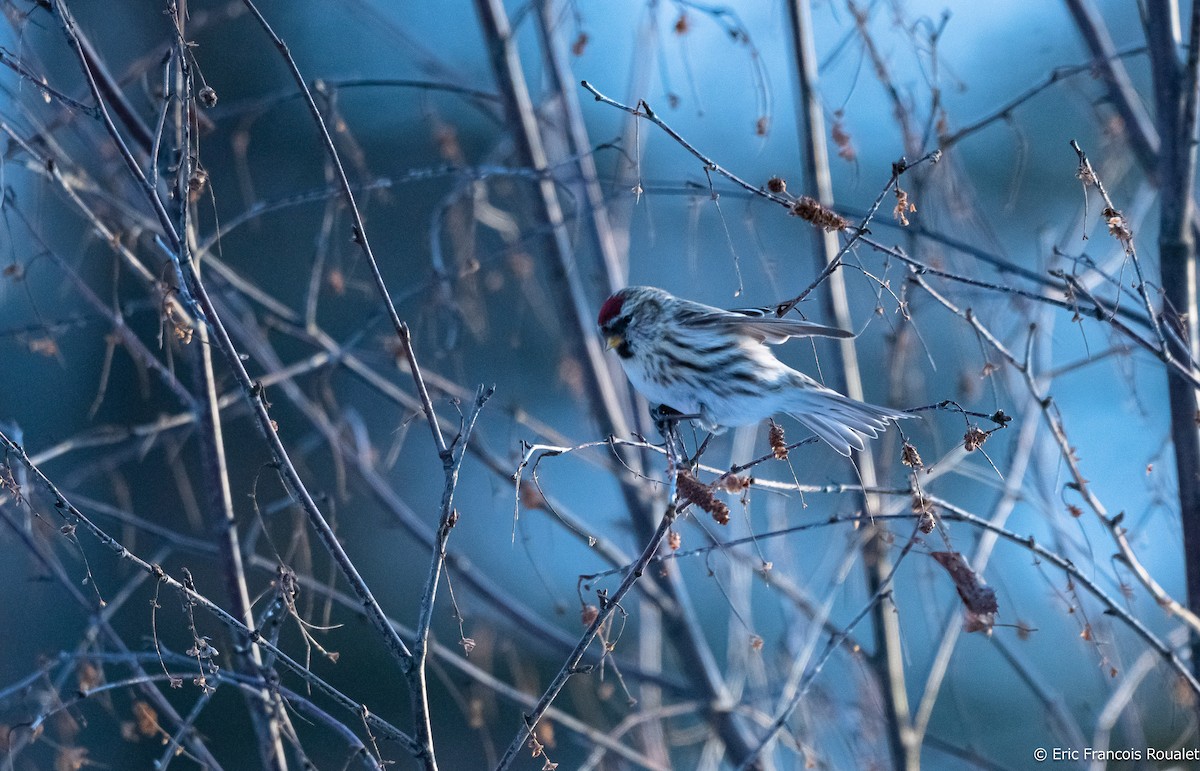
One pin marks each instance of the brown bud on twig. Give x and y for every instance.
(979, 599)
(904, 207)
(694, 491)
(842, 139)
(1084, 173)
(943, 125)
(736, 484)
(197, 181)
(145, 719)
(924, 509)
(810, 209)
(777, 185)
(207, 96)
(974, 438)
(1119, 229)
(588, 614)
(1183, 694)
(778, 442)
(910, 457)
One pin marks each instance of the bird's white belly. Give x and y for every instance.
(719, 409)
(678, 396)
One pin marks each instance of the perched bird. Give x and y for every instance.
(715, 365)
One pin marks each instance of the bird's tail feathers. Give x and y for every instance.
(841, 422)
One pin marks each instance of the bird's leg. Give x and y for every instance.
(664, 416)
(667, 425)
(666, 420)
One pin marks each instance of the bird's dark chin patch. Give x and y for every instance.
(624, 350)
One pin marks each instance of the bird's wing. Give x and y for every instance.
(759, 324)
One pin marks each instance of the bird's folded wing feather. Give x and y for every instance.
(767, 329)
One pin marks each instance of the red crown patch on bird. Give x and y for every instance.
(610, 309)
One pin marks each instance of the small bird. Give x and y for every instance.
(714, 365)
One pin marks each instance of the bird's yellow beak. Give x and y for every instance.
(614, 341)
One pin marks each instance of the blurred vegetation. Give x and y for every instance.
(1032, 325)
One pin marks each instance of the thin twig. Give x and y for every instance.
(73, 517)
(1117, 227)
(605, 610)
(575, 132)
(1005, 111)
(1079, 482)
(264, 707)
(608, 400)
(886, 660)
(198, 298)
(882, 591)
(1014, 476)
(643, 110)
(40, 551)
(360, 232)
(451, 464)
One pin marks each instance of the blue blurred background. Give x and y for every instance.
(1009, 189)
